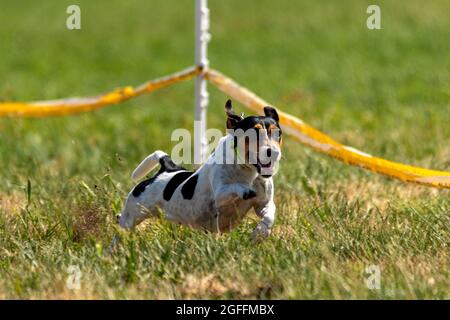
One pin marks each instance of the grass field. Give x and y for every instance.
(63, 180)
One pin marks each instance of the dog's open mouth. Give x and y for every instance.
(265, 169)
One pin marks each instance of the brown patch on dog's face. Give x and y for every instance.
(256, 133)
(257, 138)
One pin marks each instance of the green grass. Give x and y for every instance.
(63, 180)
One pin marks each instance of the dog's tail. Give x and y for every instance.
(147, 165)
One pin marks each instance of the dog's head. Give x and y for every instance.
(257, 138)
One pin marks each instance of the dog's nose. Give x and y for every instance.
(273, 153)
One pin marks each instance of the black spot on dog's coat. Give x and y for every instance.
(167, 165)
(188, 189)
(173, 184)
(142, 185)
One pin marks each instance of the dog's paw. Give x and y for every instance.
(260, 233)
(248, 194)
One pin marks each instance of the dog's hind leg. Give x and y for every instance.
(128, 220)
(133, 213)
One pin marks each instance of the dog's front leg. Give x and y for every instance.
(267, 213)
(223, 193)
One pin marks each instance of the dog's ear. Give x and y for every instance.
(271, 113)
(232, 118)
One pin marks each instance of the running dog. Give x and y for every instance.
(236, 177)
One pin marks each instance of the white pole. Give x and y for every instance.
(202, 37)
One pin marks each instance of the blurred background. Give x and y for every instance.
(383, 91)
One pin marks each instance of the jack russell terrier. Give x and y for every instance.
(236, 177)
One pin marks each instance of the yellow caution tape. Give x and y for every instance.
(77, 105)
(292, 125)
(323, 143)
